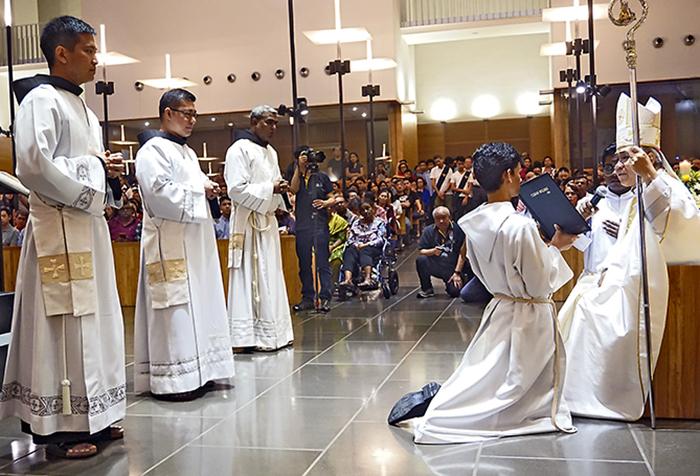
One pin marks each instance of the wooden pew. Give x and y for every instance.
(126, 264)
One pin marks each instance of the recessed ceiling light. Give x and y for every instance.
(213, 119)
(146, 123)
(230, 124)
(364, 114)
(354, 109)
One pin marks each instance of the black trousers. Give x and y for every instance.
(304, 244)
(429, 266)
(354, 260)
(61, 437)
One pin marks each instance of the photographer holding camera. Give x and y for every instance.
(314, 193)
(440, 255)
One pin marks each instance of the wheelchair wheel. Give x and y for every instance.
(386, 290)
(393, 281)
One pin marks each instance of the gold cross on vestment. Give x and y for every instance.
(82, 267)
(55, 268)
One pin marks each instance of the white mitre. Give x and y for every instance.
(649, 123)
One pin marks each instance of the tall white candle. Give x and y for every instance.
(8, 13)
(167, 66)
(204, 146)
(103, 40)
(684, 168)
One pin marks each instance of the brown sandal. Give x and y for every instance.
(72, 451)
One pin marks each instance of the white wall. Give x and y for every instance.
(671, 20)
(212, 37)
(504, 67)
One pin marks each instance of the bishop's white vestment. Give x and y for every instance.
(257, 297)
(510, 379)
(67, 320)
(181, 338)
(602, 321)
(612, 208)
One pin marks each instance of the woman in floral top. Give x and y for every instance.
(364, 245)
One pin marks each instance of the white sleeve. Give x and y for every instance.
(78, 182)
(162, 196)
(239, 179)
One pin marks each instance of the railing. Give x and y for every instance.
(435, 12)
(25, 44)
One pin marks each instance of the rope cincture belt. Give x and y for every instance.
(557, 382)
(256, 286)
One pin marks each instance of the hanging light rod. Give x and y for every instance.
(330, 37)
(168, 82)
(579, 13)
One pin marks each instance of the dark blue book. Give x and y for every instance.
(549, 206)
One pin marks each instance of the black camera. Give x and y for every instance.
(315, 156)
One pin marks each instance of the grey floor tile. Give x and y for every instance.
(325, 325)
(349, 352)
(436, 304)
(385, 331)
(380, 404)
(428, 366)
(314, 341)
(339, 380)
(270, 365)
(489, 466)
(195, 460)
(444, 342)
(671, 453)
(377, 449)
(12, 449)
(284, 422)
(405, 317)
(595, 440)
(220, 403)
(465, 326)
(147, 441)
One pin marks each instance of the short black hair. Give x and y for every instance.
(491, 161)
(354, 203)
(460, 158)
(172, 99)
(299, 150)
(609, 151)
(62, 31)
(369, 195)
(225, 197)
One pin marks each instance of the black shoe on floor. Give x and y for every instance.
(425, 294)
(303, 306)
(325, 306)
(413, 405)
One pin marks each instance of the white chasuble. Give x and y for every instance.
(257, 299)
(181, 338)
(602, 321)
(67, 321)
(511, 376)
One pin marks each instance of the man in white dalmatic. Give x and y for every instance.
(65, 374)
(510, 379)
(181, 339)
(602, 321)
(258, 307)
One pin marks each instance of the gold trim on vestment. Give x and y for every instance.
(54, 269)
(237, 241)
(80, 265)
(175, 269)
(168, 270)
(155, 273)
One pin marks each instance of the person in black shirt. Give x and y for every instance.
(314, 193)
(440, 246)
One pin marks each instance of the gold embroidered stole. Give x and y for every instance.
(63, 241)
(166, 267)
